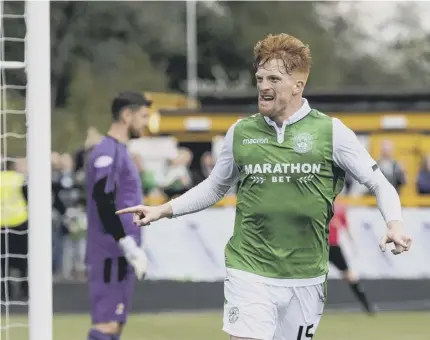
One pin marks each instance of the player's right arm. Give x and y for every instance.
(224, 175)
(350, 155)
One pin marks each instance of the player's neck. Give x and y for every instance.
(119, 133)
(291, 109)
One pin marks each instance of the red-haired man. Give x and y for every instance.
(290, 162)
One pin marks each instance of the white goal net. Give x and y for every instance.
(26, 278)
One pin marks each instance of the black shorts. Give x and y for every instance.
(336, 257)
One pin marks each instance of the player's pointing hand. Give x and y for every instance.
(144, 215)
(396, 235)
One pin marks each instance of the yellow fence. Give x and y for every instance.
(360, 122)
(409, 132)
(370, 201)
(409, 151)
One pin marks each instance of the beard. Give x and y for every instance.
(267, 109)
(133, 133)
(274, 108)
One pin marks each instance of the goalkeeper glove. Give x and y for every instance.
(134, 255)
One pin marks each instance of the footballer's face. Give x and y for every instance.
(276, 88)
(139, 120)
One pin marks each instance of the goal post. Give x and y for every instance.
(38, 68)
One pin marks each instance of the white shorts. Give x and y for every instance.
(262, 311)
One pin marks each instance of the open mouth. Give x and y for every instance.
(266, 98)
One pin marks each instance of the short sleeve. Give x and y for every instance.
(105, 169)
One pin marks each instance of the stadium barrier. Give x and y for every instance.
(191, 248)
(186, 258)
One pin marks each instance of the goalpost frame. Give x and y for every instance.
(38, 67)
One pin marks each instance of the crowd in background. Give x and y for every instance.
(69, 196)
(395, 172)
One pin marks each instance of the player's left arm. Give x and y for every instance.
(350, 155)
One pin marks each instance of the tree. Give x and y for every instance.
(410, 48)
(99, 48)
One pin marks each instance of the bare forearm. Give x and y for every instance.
(394, 224)
(166, 210)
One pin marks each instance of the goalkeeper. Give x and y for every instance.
(290, 162)
(113, 255)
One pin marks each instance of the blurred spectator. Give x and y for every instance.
(73, 226)
(423, 180)
(74, 244)
(56, 185)
(207, 164)
(177, 178)
(93, 138)
(70, 193)
(149, 184)
(14, 230)
(391, 169)
(58, 210)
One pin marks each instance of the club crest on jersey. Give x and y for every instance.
(119, 309)
(303, 142)
(233, 314)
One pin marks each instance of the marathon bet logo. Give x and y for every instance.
(283, 171)
(256, 141)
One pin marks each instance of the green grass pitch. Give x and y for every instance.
(207, 326)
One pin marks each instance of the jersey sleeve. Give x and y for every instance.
(104, 194)
(224, 175)
(105, 176)
(351, 156)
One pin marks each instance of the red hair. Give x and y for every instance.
(293, 52)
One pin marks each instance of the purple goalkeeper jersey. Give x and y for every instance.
(111, 164)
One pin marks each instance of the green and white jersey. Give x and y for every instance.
(287, 184)
(288, 178)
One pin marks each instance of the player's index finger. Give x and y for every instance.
(383, 242)
(127, 210)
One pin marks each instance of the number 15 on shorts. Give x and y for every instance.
(305, 332)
